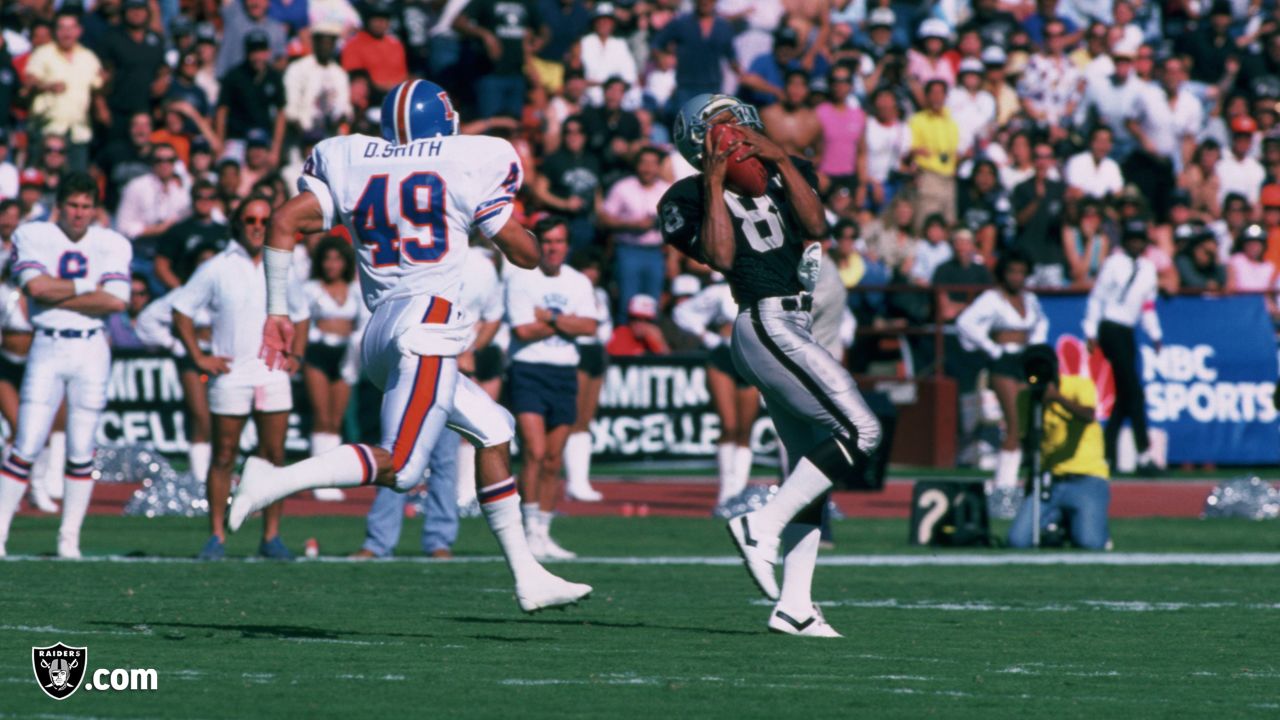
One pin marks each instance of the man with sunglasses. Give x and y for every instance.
(154, 202)
(178, 248)
(74, 274)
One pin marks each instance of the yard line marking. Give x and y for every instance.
(50, 630)
(1069, 606)
(993, 559)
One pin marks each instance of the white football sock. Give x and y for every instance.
(800, 554)
(725, 455)
(53, 477)
(466, 473)
(344, 466)
(75, 503)
(199, 455)
(502, 510)
(544, 521)
(532, 516)
(577, 461)
(805, 484)
(11, 492)
(322, 443)
(1007, 466)
(742, 460)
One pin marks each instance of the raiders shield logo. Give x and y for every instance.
(59, 669)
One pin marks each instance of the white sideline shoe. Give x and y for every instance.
(553, 551)
(814, 625)
(549, 591)
(329, 494)
(584, 494)
(41, 499)
(254, 492)
(536, 545)
(68, 547)
(759, 552)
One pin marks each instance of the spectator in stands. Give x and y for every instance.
(892, 239)
(1050, 85)
(842, 157)
(640, 334)
(630, 213)
(792, 123)
(1002, 322)
(1210, 48)
(995, 82)
(984, 208)
(613, 133)
(701, 42)
(1109, 99)
(252, 97)
(964, 267)
(1270, 202)
(64, 77)
(1038, 205)
(973, 108)
(8, 171)
(1199, 268)
(378, 52)
(241, 19)
(935, 144)
(1239, 171)
(1236, 213)
(887, 146)
(605, 56)
(1201, 182)
(178, 250)
(178, 117)
(928, 63)
(767, 75)
(31, 196)
(569, 183)
(681, 341)
(207, 50)
(592, 363)
(1039, 24)
(155, 202)
(1086, 244)
(1249, 270)
(121, 328)
(52, 164)
(186, 88)
(931, 251)
(507, 30)
(566, 21)
(1092, 173)
(1071, 451)
(1166, 120)
(317, 89)
(259, 164)
(132, 54)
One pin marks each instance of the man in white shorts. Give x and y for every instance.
(74, 275)
(410, 200)
(233, 288)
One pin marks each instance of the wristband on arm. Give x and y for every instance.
(84, 286)
(277, 263)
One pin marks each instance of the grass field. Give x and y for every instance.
(684, 638)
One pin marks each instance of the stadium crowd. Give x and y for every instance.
(952, 139)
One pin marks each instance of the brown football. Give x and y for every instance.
(745, 177)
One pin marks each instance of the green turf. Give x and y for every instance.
(236, 640)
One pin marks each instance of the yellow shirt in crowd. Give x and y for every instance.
(1071, 446)
(939, 134)
(66, 112)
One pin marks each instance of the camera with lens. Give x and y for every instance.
(1040, 365)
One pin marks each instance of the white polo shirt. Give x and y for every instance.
(570, 292)
(1096, 180)
(233, 288)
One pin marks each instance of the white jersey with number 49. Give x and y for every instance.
(411, 208)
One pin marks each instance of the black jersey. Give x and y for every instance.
(767, 235)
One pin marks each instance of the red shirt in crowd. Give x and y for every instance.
(637, 339)
(383, 59)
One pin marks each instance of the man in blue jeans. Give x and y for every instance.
(503, 28)
(439, 527)
(1072, 452)
(630, 212)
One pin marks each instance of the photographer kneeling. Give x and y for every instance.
(1071, 451)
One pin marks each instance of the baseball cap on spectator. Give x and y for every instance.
(1243, 125)
(130, 4)
(206, 33)
(643, 307)
(255, 40)
(378, 8)
(30, 176)
(615, 79)
(934, 28)
(786, 35)
(971, 65)
(604, 9)
(1252, 231)
(71, 7)
(1187, 233)
(199, 144)
(1180, 197)
(257, 137)
(1126, 49)
(180, 25)
(1134, 228)
(1270, 196)
(1221, 7)
(330, 28)
(993, 56)
(882, 17)
(685, 285)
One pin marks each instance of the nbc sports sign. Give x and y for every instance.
(1210, 386)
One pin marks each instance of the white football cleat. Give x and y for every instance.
(814, 625)
(40, 498)
(549, 591)
(254, 493)
(536, 545)
(584, 494)
(329, 494)
(759, 552)
(552, 550)
(68, 547)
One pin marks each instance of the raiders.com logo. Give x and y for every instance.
(59, 669)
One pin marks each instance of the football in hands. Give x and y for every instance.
(743, 176)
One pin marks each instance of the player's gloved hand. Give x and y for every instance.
(213, 365)
(277, 339)
(810, 267)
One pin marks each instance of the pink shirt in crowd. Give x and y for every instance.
(630, 201)
(1251, 275)
(842, 127)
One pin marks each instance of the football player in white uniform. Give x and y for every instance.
(410, 200)
(74, 275)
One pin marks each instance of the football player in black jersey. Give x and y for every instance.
(759, 244)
